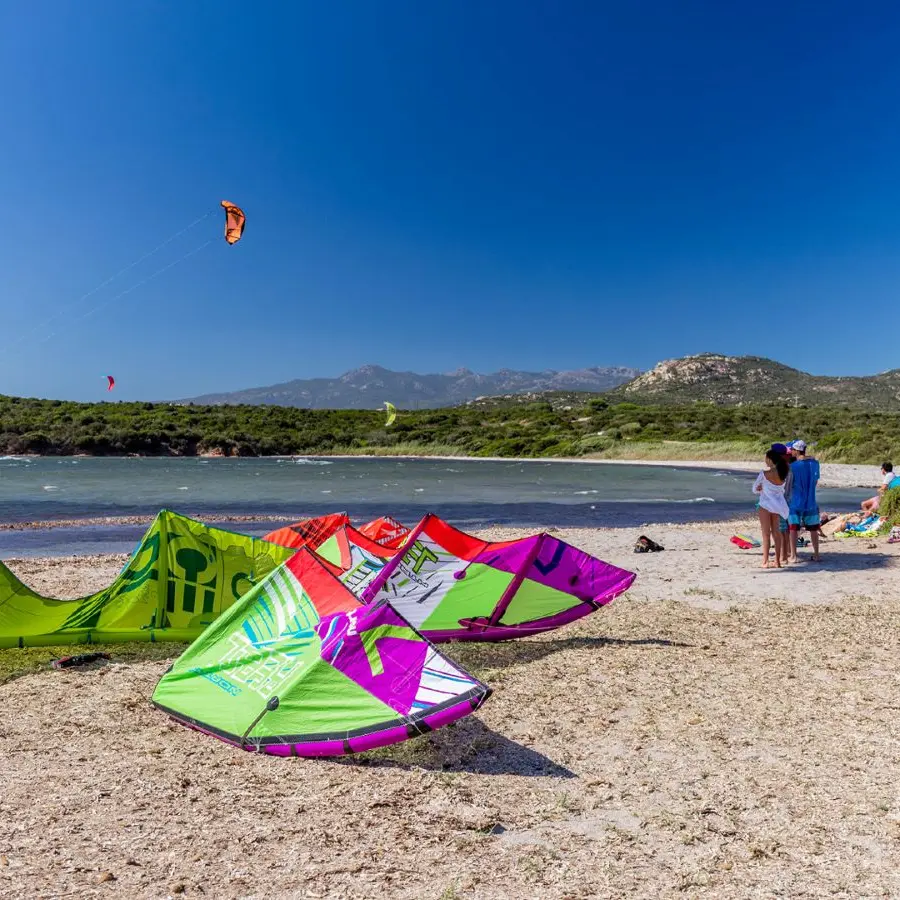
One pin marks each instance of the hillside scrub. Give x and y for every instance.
(557, 425)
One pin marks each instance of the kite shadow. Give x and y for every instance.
(513, 653)
(468, 746)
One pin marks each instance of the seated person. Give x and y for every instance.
(870, 506)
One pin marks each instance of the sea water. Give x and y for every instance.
(469, 493)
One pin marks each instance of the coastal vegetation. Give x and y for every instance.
(553, 425)
(889, 507)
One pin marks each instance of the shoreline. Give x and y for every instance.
(93, 521)
(834, 475)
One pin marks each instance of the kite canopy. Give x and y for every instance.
(385, 531)
(452, 586)
(309, 532)
(234, 222)
(179, 578)
(353, 558)
(299, 668)
(110, 382)
(313, 532)
(391, 411)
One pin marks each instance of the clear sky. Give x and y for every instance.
(430, 185)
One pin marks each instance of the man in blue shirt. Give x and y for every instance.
(804, 509)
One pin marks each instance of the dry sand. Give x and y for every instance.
(720, 731)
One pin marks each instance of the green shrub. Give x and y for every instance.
(889, 506)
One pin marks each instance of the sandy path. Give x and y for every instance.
(674, 744)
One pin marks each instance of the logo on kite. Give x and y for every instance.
(111, 382)
(391, 411)
(234, 222)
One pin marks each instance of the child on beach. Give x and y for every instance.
(769, 485)
(804, 508)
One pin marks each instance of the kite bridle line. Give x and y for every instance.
(112, 278)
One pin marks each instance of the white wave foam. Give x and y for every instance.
(670, 500)
(639, 500)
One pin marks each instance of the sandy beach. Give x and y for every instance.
(833, 475)
(719, 731)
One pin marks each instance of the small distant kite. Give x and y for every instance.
(111, 382)
(234, 222)
(391, 411)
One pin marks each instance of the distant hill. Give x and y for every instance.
(737, 380)
(369, 386)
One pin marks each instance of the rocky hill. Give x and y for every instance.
(369, 386)
(737, 380)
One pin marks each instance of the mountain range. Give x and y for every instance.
(370, 386)
(708, 377)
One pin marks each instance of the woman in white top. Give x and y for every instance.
(769, 486)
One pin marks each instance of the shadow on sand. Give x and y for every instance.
(512, 653)
(468, 746)
(841, 561)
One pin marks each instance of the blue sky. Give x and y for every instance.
(433, 185)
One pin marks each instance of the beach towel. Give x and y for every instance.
(745, 541)
(869, 527)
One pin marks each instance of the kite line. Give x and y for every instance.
(118, 274)
(143, 281)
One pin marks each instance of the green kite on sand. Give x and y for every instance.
(299, 667)
(181, 576)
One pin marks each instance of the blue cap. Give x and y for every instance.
(779, 448)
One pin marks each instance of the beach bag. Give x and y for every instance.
(644, 545)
